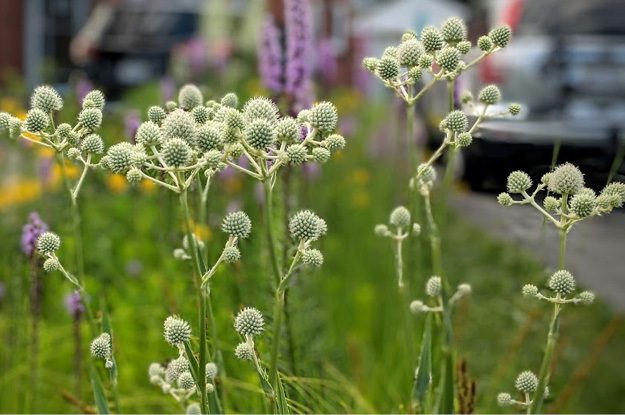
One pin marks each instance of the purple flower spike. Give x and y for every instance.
(298, 27)
(30, 233)
(73, 303)
(270, 56)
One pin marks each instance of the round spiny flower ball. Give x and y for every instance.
(454, 30)
(176, 330)
(416, 306)
(587, 297)
(149, 133)
(260, 108)
(305, 225)
(583, 204)
(190, 96)
(213, 158)
(312, 257)
(431, 39)
(504, 399)
(323, 116)
(92, 144)
(46, 99)
(177, 153)
(408, 52)
(288, 130)
(381, 230)
(433, 287)
(484, 43)
(388, 68)
(73, 153)
(514, 109)
(370, 64)
(185, 381)
(518, 182)
(179, 366)
(229, 116)
(464, 47)
(409, 35)
(607, 202)
(449, 58)
(235, 150)
(529, 290)
(545, 178)
(260, 134)
(334, 142)
(193, 409)
(321, 155)
(50, 265)
(489, 95)
(296, 153)
(118, 157)
(5, 121)
(231, 135)
(156, 114)
(425, 61)
(230, 100)
(464, 139)
(48, 243)
(390, 52)
(249, 322)
(562, 282)
(526, 382)
(15, 127)
(400, 217)
(97, 98)
(465, 289)
(156, 369)
(244, 351)
(179, 124)
(200, 114)
(209, 137)
(457, 121)
(134, 176)
(237, 224)
(101, 346)
(414, 74)
(303, 117)
(551, 204)
(87, 103)
(426, 173)
(36, 120)
(210, 388)
(587, 191)
(171, 106)
(466, 97)
(566, 179)
(138, 156)
(211, 370)
(500, 36)
(615, 189)
(504, 199)
(231, 254)
(90, 118)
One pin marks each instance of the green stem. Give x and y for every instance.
(435, 241)
(414, 247)
(278, 310)
(451, 160)
(271, 237)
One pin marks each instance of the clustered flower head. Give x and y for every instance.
(176, 331)
(562, 283)
(433, 289)
(101, 348)
(526, 383)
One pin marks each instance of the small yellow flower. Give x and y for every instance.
(147, 186)
(361, 177)
(233, 185)
(203, 232)
(116, 183)
(361, 199)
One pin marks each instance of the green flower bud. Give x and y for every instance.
(305, 225)
(416, 306)
(249, 322)
(200, 114)
(414, 74)
(244, 351)
(454, 30)
(551, 204)
(562, 282)
(97, 98)
(526, 382)
(500, 36)
(504, 199)
(176, 331)
(118, 157)
(231, 254)
(324, 117)
(514, 109)
(431, 39)
(213, 158)
(587, 297)
(518, 182)
(408, 53)
(433, 287)
(504, 399)
(288, 130)
(230, 100)
(156, 114)
(90, 118)
(566, 179)
(388, 68)
(583, 205)
(51, 265)
(312, 257)
(73, 153)
(260, 108)
(321, 155)
(381, 230)
(237, 224)
(190, 97)
(530, 290)
(400, 217)
(615, 189)
(464, 139)
(484, 43)
(457, 121)
(179, 124)
(36, 120)
(235, 151)
(149, 133)
(296, 153)
(334, 142)
(425, 61)
(489, 95)
(426, 173)
(46, 99)
(134, 176)
(101, 346)
(177, 153)
(171, 106)
(231, 135)
(464, 47)
(209, 137)
(449, 58)
(48, 243)
(370, 64)
(92, 144)
(303, 116)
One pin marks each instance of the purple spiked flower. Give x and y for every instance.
(30, 233)
(270, 56)
(298, 27)
(73, 303)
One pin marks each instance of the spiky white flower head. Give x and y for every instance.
(529, 290)
(409, 35)
(400, 217)
(46, 99)
(504, 199)
(118, 157)
(213, 158)
(209, 137)
(179, 124)
(615, 189)
(211, 370)
(5, 121)
(465, 289)
(514, 109)
(526, 382)
(408, 52)
(484, 43)
(381, 230)
(237, 224)
(101, 346)
(500, 36)
(156, 369)
(489, 95)
(454, 30)
(587, 297)
(210, 388)
(235, 151)
(231, 254)
(431, 39)
(464, 139)
(551, 204)
(200, 114)
(176, 152)
(457, 121)
(176, 330)
(370, 64)
(414, 74)
(518, 182)
(51, 265)
(583, 204)
(73, 153)
(260, 108)
(92, 144)
(416, 306)
(193, 409)
(97, 98)
(449, 58)
(149, 133)
(244, 351)
(562, 282)
(334, 142)
(48, 242)
(321, 155)
(324, 117)
(90, 118)
(504, 399)
(296, 153)
(36, 120)
(464, 47)
(426, 173)
(156, 114)
(260, 133)
(171, 106)
(425, 61)
(230, 100)
(466, 97)
(190, 96)
(416, 229)
(177, 367)
(390, 52)
(566, 179)
(185, 381)
(249, 322)
(433, 286)
(312, 257)
(288, 130)
(387, 68)
(305, 225)
(134, 176)
(231, 117)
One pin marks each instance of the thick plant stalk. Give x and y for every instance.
(415, 259)
(453, 154)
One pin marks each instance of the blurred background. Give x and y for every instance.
(565, 65)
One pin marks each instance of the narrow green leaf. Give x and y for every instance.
(107, 328)
(213, 402)
(281, 405)
(98, 391)
(422, 380)
(193, 363)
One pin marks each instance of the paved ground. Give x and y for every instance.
(595, 247)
